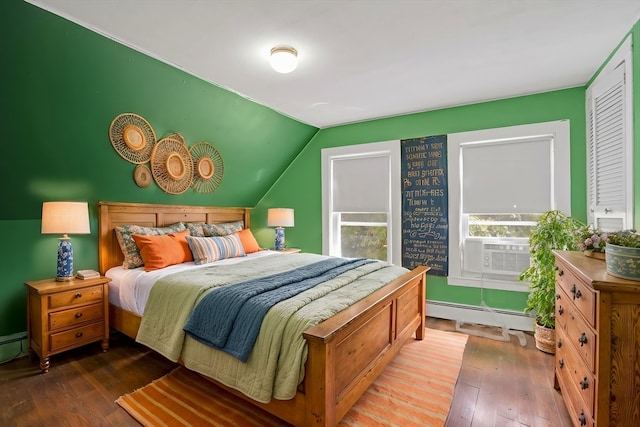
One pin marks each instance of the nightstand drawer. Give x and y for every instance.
(75, 297)
(74, 337)
(75, 316)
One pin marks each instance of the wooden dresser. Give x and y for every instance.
(66, 315)
(597, 361)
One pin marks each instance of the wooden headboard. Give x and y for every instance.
(114, 214)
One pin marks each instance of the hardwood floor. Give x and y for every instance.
(500, 384)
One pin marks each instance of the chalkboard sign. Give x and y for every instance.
(425, 220)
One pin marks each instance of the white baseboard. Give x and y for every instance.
(480, 315)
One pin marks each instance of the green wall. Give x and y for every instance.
(62, 86)
(300, 187)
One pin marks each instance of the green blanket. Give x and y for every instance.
(276, 365)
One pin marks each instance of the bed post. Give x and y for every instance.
(319, 384)
(420, 331)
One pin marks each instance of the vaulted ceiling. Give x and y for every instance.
(361, 60)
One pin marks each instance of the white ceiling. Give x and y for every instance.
(366, 59)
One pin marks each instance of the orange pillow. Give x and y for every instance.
(162, 251)
(248, 241)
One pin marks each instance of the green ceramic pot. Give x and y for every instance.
(623, 262)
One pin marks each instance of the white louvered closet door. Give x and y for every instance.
(609, 152)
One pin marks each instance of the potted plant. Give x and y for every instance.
(554, 230)
(592, 242)
(623, 254)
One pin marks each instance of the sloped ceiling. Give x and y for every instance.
(362, 60)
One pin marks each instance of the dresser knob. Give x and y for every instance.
(577, 295)
(559, 343)
(78, 334)
(78, 295)
(560, 310)
(560, 272)
(561, 363)
(584, 383)
(582, 419)
(557, 296)
(573, 291)
(583, 339)
(78, 315)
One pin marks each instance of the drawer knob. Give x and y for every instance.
(78, 315)
(560, 272)
(559, 343)
(78, 295)
(557, 296)
(561, 363)
(583, 339)
(577, 295)
(582, 419)
(78, 334)
(560, 310)
(573, 291)
(584, 384)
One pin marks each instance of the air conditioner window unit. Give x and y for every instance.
(504, 257)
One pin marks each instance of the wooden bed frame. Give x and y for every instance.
(346, 352)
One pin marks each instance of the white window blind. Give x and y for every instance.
(361, 184)
(609, 148)
(508, 176)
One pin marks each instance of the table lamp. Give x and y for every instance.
(65, 218)
(279, 218)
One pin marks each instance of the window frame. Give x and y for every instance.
(458, 222)
(330, 226)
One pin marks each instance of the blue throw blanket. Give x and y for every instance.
(229, 318)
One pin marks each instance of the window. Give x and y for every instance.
(610, 144)
(361, 201)
(500, 182)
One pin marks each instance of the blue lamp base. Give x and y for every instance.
(279, 239)
(65, 260)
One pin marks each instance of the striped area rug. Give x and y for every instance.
(415, 389)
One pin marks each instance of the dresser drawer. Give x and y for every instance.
(578, 379)
(75, 316)
(581, 337)
(75, 337)
(583, 297)
(563, 307)
(76, 297)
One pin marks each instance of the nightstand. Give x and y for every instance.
(66, 315)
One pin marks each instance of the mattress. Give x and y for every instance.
(129, 288)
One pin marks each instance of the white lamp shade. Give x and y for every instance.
(65, 218)
(280, 217)
(284, 59)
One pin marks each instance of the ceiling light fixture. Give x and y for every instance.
(284, 59)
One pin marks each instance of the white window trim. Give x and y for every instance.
(387, 148)
(561, 191)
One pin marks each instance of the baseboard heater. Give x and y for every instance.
(480, 315)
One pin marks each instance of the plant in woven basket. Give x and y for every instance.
(554, 231)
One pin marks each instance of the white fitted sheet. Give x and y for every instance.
(129, 288)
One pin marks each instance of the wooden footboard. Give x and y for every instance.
(348, 351)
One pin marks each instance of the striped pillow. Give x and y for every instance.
(210, 249)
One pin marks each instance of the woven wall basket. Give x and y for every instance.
(172, 166)
(208, 167)
(132, 137)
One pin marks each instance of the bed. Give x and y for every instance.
(345, 352)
